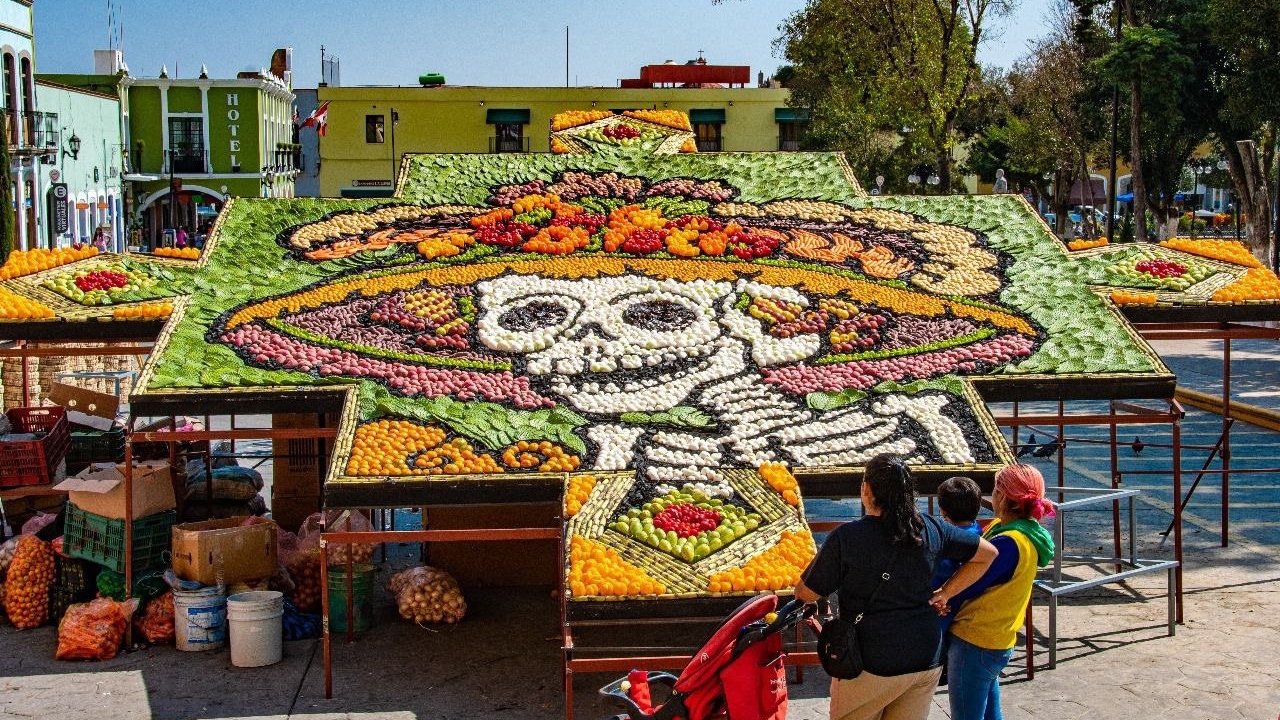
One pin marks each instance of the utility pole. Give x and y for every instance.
(395, 120)
(566, 56)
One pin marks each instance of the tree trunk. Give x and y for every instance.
(1135, 162)
(1254, 202)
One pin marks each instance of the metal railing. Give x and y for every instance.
(505, 145)
(39, 131)
(188, 161)
(788, 145)
(710, 145)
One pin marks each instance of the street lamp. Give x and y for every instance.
(1200, 167)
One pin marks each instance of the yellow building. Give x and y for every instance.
(370, 128)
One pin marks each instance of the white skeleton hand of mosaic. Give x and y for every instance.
(631, 344)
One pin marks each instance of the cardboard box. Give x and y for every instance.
(205, 550)
(300, 464)
(86, 407)
(290, 510)
(99, 489)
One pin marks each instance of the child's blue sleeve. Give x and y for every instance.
(1001, 570)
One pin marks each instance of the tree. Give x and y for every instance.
(1048, 120)
(1246, 36)
(870, 70)
(7, 219)
(1164, 58)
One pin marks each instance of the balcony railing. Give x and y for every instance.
(188, 161)
(788, 145)
(710, 145)
(39, 132)
(507, 145)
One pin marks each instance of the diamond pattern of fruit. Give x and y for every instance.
(1170, 274)
(632, 538)
(111, 282)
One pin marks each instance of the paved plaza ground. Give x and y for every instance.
(1114, 657)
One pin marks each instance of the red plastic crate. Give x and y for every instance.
(33, 462)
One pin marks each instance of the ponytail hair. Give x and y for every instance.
(890, 482)
(1023, 489)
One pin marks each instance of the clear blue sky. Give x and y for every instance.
(472, 42)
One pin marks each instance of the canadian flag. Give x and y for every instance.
(318, 119)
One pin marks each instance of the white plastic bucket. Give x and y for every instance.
(256, 621)
(200, 618)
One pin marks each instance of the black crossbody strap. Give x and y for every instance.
(883, 577)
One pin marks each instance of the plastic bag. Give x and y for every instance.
(156, 621)
(339, 521)
(231, 482)
(26, 590)
(7, 551)
(146, 584)
(427, 594)
(38, 523)
(94, 630)
(299, 625)
(301, 560)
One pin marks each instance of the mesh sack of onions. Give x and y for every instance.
(427, 595)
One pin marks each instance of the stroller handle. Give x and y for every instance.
(620, 692)
(785, 618)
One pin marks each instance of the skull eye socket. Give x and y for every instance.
(533, 315)
(659, 315)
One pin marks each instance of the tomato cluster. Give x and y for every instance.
(1161, 268)
(621, 132)
(686, 519)
(101, 280)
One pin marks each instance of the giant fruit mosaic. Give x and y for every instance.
(625, 306)
(674, 336)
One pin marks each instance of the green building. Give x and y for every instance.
(190, 143)
(370, 128)
(195, 142)
(81, 186)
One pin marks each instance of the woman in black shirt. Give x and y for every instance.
(899, 635)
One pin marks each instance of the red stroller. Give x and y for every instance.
(736, 674)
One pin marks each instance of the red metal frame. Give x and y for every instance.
(1226, 332)
(1137, 415)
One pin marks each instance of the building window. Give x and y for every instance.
(708, 135)
(788, 136)
(10, 98)
(10, 83)
(374, 128)
(508, 138)
(186, 143)
(28, 87)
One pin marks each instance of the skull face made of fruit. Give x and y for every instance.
(630, 343)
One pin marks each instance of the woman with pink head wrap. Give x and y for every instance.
(990, 611)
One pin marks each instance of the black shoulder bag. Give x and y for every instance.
(838, 647)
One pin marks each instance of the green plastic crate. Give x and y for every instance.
(94, 446)
(101, 540)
